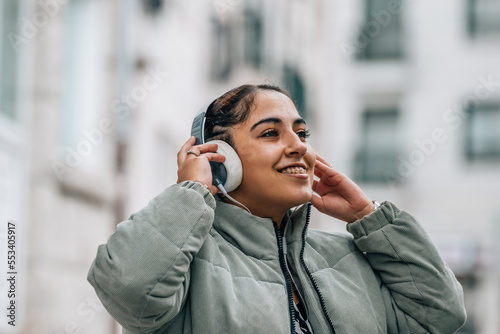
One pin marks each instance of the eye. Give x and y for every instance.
(304, 134)
(270, 133)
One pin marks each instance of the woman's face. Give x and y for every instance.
(278, 163)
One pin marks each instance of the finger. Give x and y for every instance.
(317, 202)
(315, 188)
(320, 158)
(317, 172)
(181, 155)
(321, 169)
(188, 144)
(213, 189)
(315, 185)
(324, 167)
(214, 157)
(205, 148)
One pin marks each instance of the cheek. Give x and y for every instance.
(311, 153)
(253, 167)
(248, 160)
(311, 176)
(258, 158)
(311, 157)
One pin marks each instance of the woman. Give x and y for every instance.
(193, 261)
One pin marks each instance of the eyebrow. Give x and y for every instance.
(276, 120)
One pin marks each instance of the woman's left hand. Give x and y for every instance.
(339, 196)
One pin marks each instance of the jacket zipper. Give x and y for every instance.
(318, 292)
(287, 277)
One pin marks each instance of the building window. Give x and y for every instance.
(253, 37)
(8, 58)
(380, 37)
(483, 132)
(153, 6)
(222, 51)
(483, 17)
(82, 92)
(376, 157)
(295, 85)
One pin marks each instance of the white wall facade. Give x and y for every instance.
(64, 54)
(442, 67)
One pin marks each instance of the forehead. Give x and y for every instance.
(272, 103)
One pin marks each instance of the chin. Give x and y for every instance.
(301, 199)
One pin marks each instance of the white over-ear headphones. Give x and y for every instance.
(227, 175)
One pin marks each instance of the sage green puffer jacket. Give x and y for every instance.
(188, 263)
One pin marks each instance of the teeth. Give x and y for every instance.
(294, 170)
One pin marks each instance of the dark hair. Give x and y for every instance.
(233, 108)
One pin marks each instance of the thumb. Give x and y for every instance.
(213, 189)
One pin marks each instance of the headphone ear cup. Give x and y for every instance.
(232, 164)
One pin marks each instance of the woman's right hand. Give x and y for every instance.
(196, 167)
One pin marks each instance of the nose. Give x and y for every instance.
(294, 146)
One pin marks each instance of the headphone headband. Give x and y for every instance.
(198, 126)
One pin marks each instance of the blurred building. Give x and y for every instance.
(414, 117)
(57, 153)
(97, 97)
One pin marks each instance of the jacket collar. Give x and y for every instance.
(253, 235)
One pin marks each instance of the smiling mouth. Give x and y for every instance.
(294, 170)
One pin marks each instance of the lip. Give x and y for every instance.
(297, 176)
